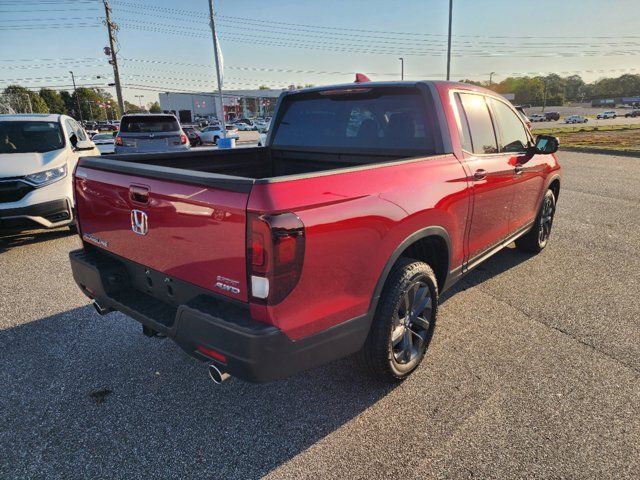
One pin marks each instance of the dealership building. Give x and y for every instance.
(237, 104)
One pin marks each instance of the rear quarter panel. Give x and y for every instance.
(353, 222)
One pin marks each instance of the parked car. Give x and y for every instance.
(332, 239)
(105, 142)
(576, 119)
(605, 115)
(262, 138)
(523, 115)
(193, 135)
(38, 153)
(632, 114)
(537, 117)
(245, 127)
(106, 127)
(145, 133)
(212, 133)
(552, 116)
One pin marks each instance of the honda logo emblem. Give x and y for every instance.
(139, 223)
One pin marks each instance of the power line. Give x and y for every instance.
(193, 13)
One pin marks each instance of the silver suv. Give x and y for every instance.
(142, 133)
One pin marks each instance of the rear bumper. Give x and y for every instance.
(254, 351)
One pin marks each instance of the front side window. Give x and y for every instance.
(25, 137)
(513, 136)
(483, 136)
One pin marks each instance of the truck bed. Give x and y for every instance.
(237, 164)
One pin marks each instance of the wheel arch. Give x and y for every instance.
(431, 245)
(554, 185)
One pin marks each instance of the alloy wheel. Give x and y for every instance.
(546, 220)
(411, 323)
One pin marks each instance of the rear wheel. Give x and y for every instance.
(538, 237)
(404, 322)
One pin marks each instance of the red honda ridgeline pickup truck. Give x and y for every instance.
(368, 201)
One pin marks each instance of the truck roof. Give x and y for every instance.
(403, 83)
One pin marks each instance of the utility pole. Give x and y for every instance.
(449, 41)
(491, 78)
(223, 128)
(75, 93)
(90, 110)
(401, 68)
(140, 97)
(111, 28)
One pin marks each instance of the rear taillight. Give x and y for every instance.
(275, 251)
(118, 141)
(183, 139)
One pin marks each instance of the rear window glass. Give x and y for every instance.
(381, 119)
(146, 124)
(25, 137)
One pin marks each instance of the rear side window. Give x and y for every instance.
(483, 136)
(513, 136)
(148, 124)
(463, 127)
(380, 118)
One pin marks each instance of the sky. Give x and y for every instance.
(166, 45)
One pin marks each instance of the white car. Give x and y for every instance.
(105, 142)
(576, 119)
(605, 115)
(537, 117)
(38, 153)
(244, 127)
(212, 133)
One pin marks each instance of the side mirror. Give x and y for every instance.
(74, 140)
(546, 144)
(84, 145)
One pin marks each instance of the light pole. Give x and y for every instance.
(217, 62)
(491, 78)
(75, 93)
(401, 68)
(140, 97)
(449, 41)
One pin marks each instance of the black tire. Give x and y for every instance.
(538, 237)
(73, 227)
(393, 362)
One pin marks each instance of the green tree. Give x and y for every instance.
(54, 101)
(24, 100)
(264, 87)
(155, 108)
(132, 108)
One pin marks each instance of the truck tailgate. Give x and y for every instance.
(192, 232)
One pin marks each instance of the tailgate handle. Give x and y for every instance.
(139, 193)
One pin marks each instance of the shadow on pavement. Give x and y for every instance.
(502, 261)
(10, 239)
(90, 394)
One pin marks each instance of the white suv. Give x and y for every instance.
(604, 115)
(38, 153)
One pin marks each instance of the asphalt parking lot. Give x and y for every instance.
(534, 371)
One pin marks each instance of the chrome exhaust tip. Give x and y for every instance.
(217, 375)
(100, 309)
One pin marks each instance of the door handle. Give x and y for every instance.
(139, 193)
(480, 174)
(519, 169)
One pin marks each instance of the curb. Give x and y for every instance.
(602, 151)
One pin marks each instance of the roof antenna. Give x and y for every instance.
(361, 78)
